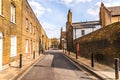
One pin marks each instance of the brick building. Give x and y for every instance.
(109, 15)
(54, 43)
(20, 31)
(75, 30)
(63, 39)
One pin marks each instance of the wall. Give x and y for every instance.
(104, 43)
(78, 32)
(9, 28)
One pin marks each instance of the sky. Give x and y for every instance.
(52, 14)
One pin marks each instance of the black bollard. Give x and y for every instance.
(69, 52)
(20, 64)
(33, 54)
(116, 68)
(76, 55)
(92, 60)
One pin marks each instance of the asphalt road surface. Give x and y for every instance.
(54, 67)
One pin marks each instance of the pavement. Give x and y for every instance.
(104, 72)
(100, 70)
(13, 71)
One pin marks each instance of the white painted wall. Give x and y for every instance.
(87, 31)
(1, 50)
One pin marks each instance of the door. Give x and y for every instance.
(1, 50)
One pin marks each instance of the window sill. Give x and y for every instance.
(13, 22)
(1, 15)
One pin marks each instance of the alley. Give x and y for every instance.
(54, 67)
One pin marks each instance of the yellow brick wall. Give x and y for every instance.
(115, 19)
(8, 28)
(19, 30)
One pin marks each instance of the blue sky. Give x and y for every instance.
(52, 14)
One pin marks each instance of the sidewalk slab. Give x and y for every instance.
(13, 71)
(103, 71)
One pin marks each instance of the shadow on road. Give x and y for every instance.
(59, 61)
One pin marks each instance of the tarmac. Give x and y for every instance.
(102, 71)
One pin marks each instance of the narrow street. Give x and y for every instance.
(54, 67)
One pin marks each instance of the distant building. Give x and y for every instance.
(63, 39)
(109, 15)
(54, 43)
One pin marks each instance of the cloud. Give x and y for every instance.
(78, 1)
(93, 12)
(38, 9)
(72, 2)
(51, 30)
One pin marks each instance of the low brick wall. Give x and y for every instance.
(103, 43)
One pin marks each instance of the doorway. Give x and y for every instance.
(1, 50)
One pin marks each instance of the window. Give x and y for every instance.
(26, 46)
(33, 45)
(26, 23)
(13, 46)
(30, 27)
(34, 30)
(82, 32)
(1, 50)
(12, 13)
(0, 7)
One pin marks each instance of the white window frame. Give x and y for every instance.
(82, 32)
(1, 49)
(26, 46)
(13, 50)
(33, 45)
(34, 30)
(26, 22)
(30, 27)
(0, 7)
(12, 15)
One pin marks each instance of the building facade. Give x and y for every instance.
(109, 15)
(20, 31)
(54, 43)
(63, 44)
(78, 29)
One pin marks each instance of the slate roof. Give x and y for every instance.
(87, 24)
(114, 10)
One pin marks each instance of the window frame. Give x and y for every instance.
(26, 23)
(1, 5)
(13, 45)
(26, 46)
(82, 32)
(13, 13)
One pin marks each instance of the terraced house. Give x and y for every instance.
(20, 31)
